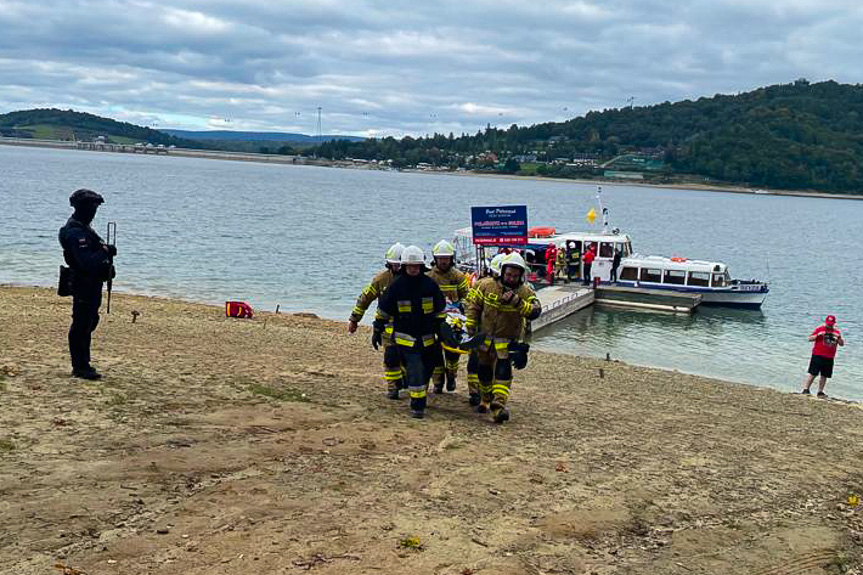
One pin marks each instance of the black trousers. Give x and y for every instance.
(613, 276)
(587, 277)
(86, 300)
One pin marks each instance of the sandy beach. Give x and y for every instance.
(227, 446)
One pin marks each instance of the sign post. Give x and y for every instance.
(497, 226)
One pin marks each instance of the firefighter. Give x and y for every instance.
(499, 308)
(415, 305)
(89, 259)
(455, 286)
(393, 373)
(474, 396)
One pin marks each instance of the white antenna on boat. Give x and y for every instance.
(602, 210)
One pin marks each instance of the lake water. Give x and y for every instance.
(309, 238)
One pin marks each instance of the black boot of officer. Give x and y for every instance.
(89, 260)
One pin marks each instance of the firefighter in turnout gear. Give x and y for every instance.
(474, 397)
(455, 286)
(499, 307)
(415, 306)
(393, 371)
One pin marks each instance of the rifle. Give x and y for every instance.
(111, 240)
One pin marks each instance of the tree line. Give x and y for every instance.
(792, 136)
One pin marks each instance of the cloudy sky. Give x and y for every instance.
(401, 67)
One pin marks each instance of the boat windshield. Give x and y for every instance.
(721, 280)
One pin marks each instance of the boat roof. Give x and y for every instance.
(467, 233)
(589, 237)
(666, 263)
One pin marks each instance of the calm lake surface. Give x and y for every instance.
(309, 238)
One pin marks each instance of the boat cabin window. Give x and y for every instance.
(721, 280)
(606, 250)
(649, 275)
(628, 273)
(675, 277)
(625, 249)
(699, 279)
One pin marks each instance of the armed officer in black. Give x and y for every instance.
(416, 305)
(89, 259)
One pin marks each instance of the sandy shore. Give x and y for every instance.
(219, 446)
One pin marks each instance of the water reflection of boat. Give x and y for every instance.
(710, 279)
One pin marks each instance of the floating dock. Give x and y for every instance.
(559, 302)
(660, 300)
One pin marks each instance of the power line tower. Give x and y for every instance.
(319, 134)
(631, 101)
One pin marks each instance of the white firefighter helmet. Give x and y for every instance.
(413, 255)
(494, 266)
(514, 259)
(443, 249)
(394, 254)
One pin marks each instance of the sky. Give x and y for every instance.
(404, 67)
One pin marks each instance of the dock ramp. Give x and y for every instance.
(559, 302)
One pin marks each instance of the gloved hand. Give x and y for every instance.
(112, 250)
(377, 339)
(511, 298)
(518, 354)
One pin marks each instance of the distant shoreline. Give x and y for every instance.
(302, 161)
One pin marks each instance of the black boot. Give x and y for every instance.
(86, 373)
(438, 388)
(474, 399)
(393, 394)
(418, 407)
(450, 381)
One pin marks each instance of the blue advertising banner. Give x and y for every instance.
(499, 225)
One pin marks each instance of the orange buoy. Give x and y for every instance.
(541, 232)
(678, 259)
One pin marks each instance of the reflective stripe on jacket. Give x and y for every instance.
(454, 284)
(415, 305)
(487, 313)
(371, 292)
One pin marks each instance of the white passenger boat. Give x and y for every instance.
(710, 279)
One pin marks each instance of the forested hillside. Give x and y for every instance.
(793, 136)
(53, 124)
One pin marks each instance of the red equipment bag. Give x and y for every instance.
(238, 309)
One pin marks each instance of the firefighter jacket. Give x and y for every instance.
(454, 284)
(371, 292)
(415, 306)
(488, 314)
(85, 253)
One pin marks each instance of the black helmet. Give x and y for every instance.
(84, 197)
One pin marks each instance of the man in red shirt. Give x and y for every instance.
(827, 339)
(589, 256)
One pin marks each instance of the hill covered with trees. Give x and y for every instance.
(793, 136)
(53, 124)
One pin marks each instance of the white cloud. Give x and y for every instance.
(404, 67)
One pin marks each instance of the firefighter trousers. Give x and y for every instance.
(495, 372)
(394, 371)
(447, 364)
(418, 370)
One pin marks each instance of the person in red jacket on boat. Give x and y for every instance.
(589, 256)
(550, 258)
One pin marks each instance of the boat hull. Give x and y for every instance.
(713, 297)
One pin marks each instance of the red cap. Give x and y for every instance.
(830, 319)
